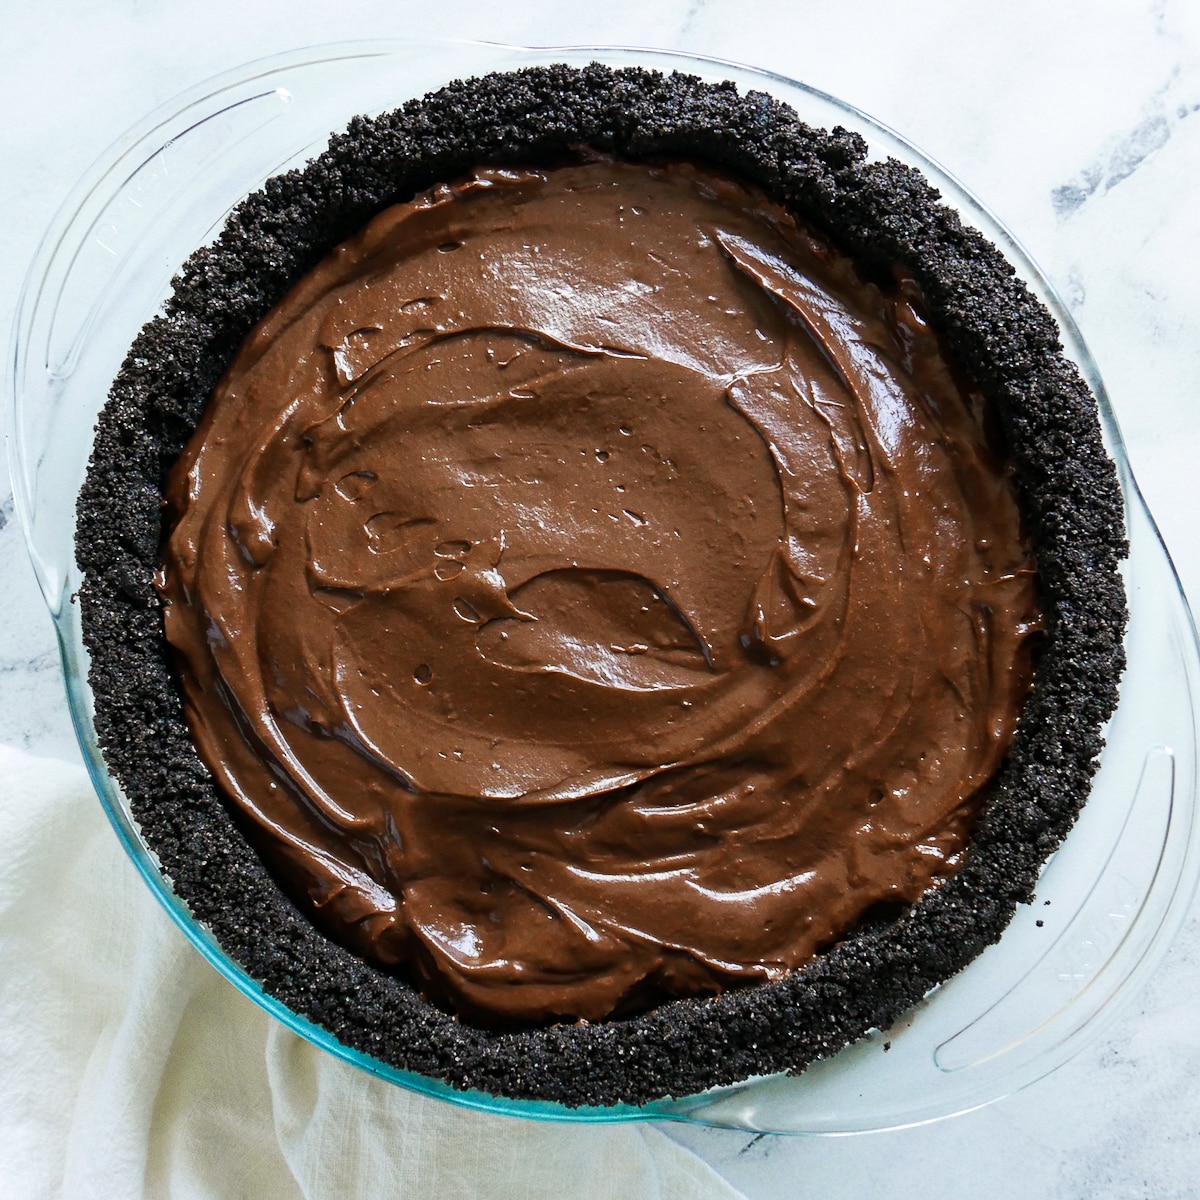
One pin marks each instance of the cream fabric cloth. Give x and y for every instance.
(129, 1068)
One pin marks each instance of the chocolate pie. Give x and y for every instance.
(597, 590)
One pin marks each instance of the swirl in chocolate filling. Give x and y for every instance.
(588, 589)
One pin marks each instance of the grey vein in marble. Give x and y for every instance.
(1124, 157)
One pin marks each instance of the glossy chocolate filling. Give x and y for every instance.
(588, 589)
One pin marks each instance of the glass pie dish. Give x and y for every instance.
(1108, 900)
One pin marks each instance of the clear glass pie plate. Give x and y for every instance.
(1109, 900)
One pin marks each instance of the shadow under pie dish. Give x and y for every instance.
(884, 218)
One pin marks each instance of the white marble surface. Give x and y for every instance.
(1073, 119)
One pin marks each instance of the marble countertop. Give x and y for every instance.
(1074, 120)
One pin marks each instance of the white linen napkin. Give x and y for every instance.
(129, 1068)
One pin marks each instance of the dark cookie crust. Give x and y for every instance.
(882, 213)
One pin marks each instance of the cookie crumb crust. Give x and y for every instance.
(884, 214)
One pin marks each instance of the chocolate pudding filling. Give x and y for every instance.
(633, 626)
(590, 590)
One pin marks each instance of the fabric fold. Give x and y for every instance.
(131, 1069)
